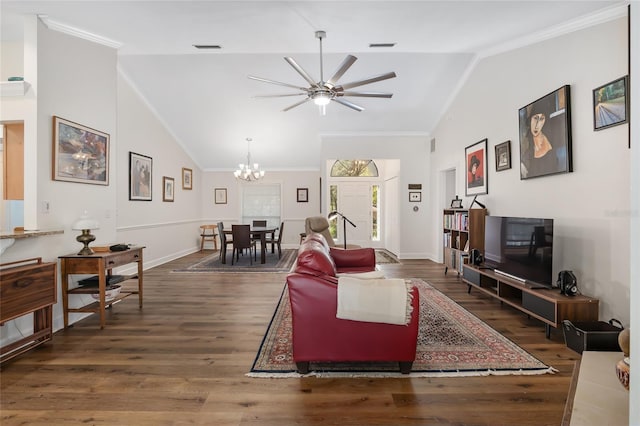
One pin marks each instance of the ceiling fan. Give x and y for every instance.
(323, 92)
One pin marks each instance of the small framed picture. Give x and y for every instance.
(456, 203)
(220, 195)
(503, 156)
(415, 197)
(187, 178)
(476, 168)
(610, 104)
(168, 186)
(302, 195)
(140, 179)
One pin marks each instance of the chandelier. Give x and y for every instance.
(246, 171)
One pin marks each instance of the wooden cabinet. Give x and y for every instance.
(547, 305)
(463, 230)
(28, 286)
(100, 264)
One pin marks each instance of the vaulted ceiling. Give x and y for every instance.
(207, 103)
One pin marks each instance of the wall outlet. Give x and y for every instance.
(46, 207)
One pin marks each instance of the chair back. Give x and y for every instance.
(241, 236)
(223, 236)
(208, 230)
(319, 225)
(280, 232)
(261, 223)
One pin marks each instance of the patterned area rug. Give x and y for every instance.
(243, 265)
(451, 342)
(384, 256)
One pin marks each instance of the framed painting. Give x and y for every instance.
(220, 195)
(302, 195)
(187, 178)
(140, 179)
(545, 135)
(80, 153)
(415, 197)
(476, 168)
(611, 104)
(168, 188)
(503, 156)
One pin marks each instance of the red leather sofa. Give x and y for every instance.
(321, 337)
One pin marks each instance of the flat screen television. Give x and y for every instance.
(521, 248)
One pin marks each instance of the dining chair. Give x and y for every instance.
(208, 233)
(276, 241)
(224, 242)
(242, 240)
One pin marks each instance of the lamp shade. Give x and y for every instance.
(85, 222)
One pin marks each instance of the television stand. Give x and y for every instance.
(546, 305)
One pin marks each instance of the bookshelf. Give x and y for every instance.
(462, 230)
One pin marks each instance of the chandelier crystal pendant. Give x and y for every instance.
(249, 172)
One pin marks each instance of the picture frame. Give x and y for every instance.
(456, 203)
(503, 156)
(611, 104)
(302, 195)
(80, 153)
(545, 135)
(187, 179)
(220, 195)
(140, 177)
(415, 197)
(475, 156)
(168, 189)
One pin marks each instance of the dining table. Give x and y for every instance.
(261, 232)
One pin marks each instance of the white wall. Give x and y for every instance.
(590, 206)
(168, 230)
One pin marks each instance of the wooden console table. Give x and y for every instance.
(99, 264)
(28, 286)
(547, 305)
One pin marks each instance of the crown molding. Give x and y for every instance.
(76, 32)
(600, 17)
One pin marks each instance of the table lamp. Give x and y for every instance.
(85, 224)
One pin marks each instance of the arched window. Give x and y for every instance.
(354, 168)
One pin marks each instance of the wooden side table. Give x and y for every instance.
(99, 264)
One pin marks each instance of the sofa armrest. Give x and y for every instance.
(354, 259)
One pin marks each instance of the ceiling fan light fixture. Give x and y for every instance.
(321, 99)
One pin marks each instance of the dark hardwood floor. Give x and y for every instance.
(182, 360)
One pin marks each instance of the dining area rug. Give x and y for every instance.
(274, 264)
(452, 342)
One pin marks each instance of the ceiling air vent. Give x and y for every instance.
(382, 44)
(207, 46)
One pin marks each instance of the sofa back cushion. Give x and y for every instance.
(314, 259)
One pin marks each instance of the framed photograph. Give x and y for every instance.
(545, 135)
(187, 178)
(476, 168)
(415, 197)
(302, 195)
(220, 195)
(80, 154)
(610, 104)
(456, 203)
(503, 156)
(140, 179)
(168, 188)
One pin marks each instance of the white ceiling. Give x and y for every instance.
(206, 101)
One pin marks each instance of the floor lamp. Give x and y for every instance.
(335, 214)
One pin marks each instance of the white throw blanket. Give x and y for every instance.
(370, 275)
(374, 300)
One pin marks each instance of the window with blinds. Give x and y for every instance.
(261, 202)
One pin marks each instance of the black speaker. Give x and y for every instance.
(567, 283)
(476, 257)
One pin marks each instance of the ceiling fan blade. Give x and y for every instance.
(265, 80)
(366, 94)
(348, 104)
(279, 96)
(302, 72)
(366, 81)
(348, 61)
(296, 104)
